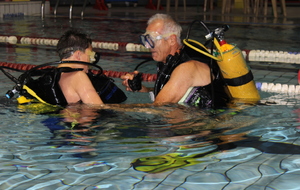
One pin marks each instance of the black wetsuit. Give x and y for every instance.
(209, 96)
(46, 87)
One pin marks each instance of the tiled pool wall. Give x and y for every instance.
(22, 8)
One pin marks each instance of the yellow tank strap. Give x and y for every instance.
(186, 42)
(32, 93)
(219, 49)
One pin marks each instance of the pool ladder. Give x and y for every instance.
(56, 6)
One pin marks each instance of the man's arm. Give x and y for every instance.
(85, 89)
(186, 75)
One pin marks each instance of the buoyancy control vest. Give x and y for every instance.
(209, 96)
(47, 90)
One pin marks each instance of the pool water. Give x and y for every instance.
(140, 146)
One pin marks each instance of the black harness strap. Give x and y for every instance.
(239, 81)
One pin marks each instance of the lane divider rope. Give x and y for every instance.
(250, 55)
(262, 86)
(278, 88)
(113, 74)
(53, 42)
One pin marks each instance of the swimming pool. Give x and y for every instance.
(146, 147)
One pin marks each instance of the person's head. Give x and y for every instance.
(75, 45)
(162, 36)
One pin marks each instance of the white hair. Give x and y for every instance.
(169, 25)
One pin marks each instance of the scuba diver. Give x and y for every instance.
(71, 81)
(76, 86)
(183, 75)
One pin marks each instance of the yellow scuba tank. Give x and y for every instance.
(237, 75)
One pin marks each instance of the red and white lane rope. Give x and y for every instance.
(114, 74)
(53, 42)
(250, 55)
(266, 87)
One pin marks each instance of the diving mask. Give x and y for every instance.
(149, 41)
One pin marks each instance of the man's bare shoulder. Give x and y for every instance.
(191, 66)
(76, 73)
(192, 72)
(74, 76)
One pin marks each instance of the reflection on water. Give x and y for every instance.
(142, 146)
(93, 147)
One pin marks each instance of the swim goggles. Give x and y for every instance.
(149, 41)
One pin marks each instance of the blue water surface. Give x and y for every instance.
(136, 145)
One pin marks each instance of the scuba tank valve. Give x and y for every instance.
(217, 33)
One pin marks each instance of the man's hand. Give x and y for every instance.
(125, 78)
